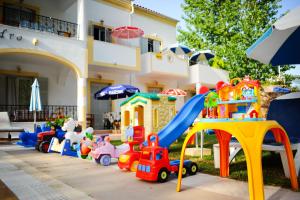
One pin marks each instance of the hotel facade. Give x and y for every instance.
(67, 45)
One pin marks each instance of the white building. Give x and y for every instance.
(68, 46)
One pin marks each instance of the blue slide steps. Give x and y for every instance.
(182, 121)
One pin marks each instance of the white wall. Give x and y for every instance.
(114, 54)
(110, 15)
(116, 17)
(150, 26)
(61, 90)
(168, 65)
(70, 49)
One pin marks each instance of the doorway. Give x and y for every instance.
(99, 107)
(139, 116)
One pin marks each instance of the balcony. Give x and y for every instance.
(206, 75)
(111, 55)
(164, 64)
(20, 18)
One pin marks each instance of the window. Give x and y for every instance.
(159, 155)
(155, 89)
(150, 45)
(102, 33)
(139, 116)
(126, 118)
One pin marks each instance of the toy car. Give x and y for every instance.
(154, 164)
(103, 154)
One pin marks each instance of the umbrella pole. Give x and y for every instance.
(34, 121)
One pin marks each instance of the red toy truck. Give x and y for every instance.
(154, 164)
(130, 159)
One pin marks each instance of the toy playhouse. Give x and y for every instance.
(239, 100)
(150, 110)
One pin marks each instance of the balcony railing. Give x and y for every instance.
(20, 18)
(21, 113)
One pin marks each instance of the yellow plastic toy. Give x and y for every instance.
(239, 115)
(250, 135)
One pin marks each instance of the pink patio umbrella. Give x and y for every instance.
(127, 32)
(174, 92)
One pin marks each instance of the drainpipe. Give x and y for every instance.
(130, 16)
(131, 12)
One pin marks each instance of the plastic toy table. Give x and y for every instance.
(250, 134)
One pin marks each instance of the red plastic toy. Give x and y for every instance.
(43, 140)
(154, 164)
(130, 159)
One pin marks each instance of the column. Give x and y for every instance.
(82, 101)
(82, 20)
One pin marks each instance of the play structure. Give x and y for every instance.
(235, 110)
(150, 110)
(283, 110)
(154, 164)
(238, 100)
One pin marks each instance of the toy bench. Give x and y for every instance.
(235, 147)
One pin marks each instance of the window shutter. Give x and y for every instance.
(144, 45)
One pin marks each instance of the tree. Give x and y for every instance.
(229, 27)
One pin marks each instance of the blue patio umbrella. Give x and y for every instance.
(279, 45)
(35, 100)
(116, 92)
(202, 55)
(179, 49)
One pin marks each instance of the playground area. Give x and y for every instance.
(62, 177)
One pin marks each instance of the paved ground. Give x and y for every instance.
(33, 175)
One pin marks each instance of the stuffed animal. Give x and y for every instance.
(69, 127)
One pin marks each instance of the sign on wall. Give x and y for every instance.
(4, 34)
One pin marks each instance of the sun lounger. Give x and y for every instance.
(5, 125)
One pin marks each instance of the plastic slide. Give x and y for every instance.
(182, 121)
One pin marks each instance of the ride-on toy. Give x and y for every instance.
(103, 154)
(130, 159)
(44, 139)
(154, 164)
